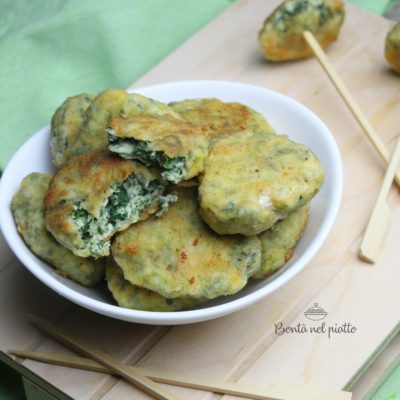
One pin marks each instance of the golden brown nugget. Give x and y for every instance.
(108, 104)
(218, 119)
(65, 125)
(92, 132)
(177, 255)
(253, 180)
(97, 194)
(281, 36)
(137, 298)
(28, 209)
(392, 47)
(279, 240)
(137, 104)
(173, 145)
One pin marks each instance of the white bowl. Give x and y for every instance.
(285, 115)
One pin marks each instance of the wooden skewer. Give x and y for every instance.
(281, 390)
(348, 99)
(116, 367)
(162, 377)
(379, 220)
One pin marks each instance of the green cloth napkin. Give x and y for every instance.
(379, 7)
(51, 49)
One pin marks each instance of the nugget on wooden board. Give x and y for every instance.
(281, 37)
(392, 47)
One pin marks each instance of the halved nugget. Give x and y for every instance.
(217, 119)
(92, 135)
(281, 36)
(279, 240)
(97, 194)
(177, 255)
(112, 103)
(137, 298)
(65, 125)
(28, 209)
(160, 141)
(253, 180)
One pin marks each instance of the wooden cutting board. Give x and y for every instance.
(245, 346)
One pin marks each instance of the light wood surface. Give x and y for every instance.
(280, 390)
(120, 369)
(375, 232)
(243, 347)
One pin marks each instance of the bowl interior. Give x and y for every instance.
(284, 114)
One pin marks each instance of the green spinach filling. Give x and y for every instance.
(293, 8)
(174, 167)
(122, 208)
(165, 201)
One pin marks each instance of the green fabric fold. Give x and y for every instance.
(51, 49)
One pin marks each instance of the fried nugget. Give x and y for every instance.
(92, 132)
(392, 47)
(137, 298)
(65, 125)
(278, 241)
(136, 104)
(177, 255)
(27, 207)
(281, 37)
(160, 141)
(108, 104)
(97, 194)
(252, 180)
(218, 119)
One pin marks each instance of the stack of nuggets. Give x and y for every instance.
(121, 198)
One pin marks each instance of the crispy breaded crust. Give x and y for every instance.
(174, 137)
(218, 119)
(28, 210)
(92, 134)
(137, 298)
(112, 103)
(177, 255)
(253, 180)
(136, 104)
(65, 125)
(278, 241)
(281, 35)
(87, 178)
(392, 47)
